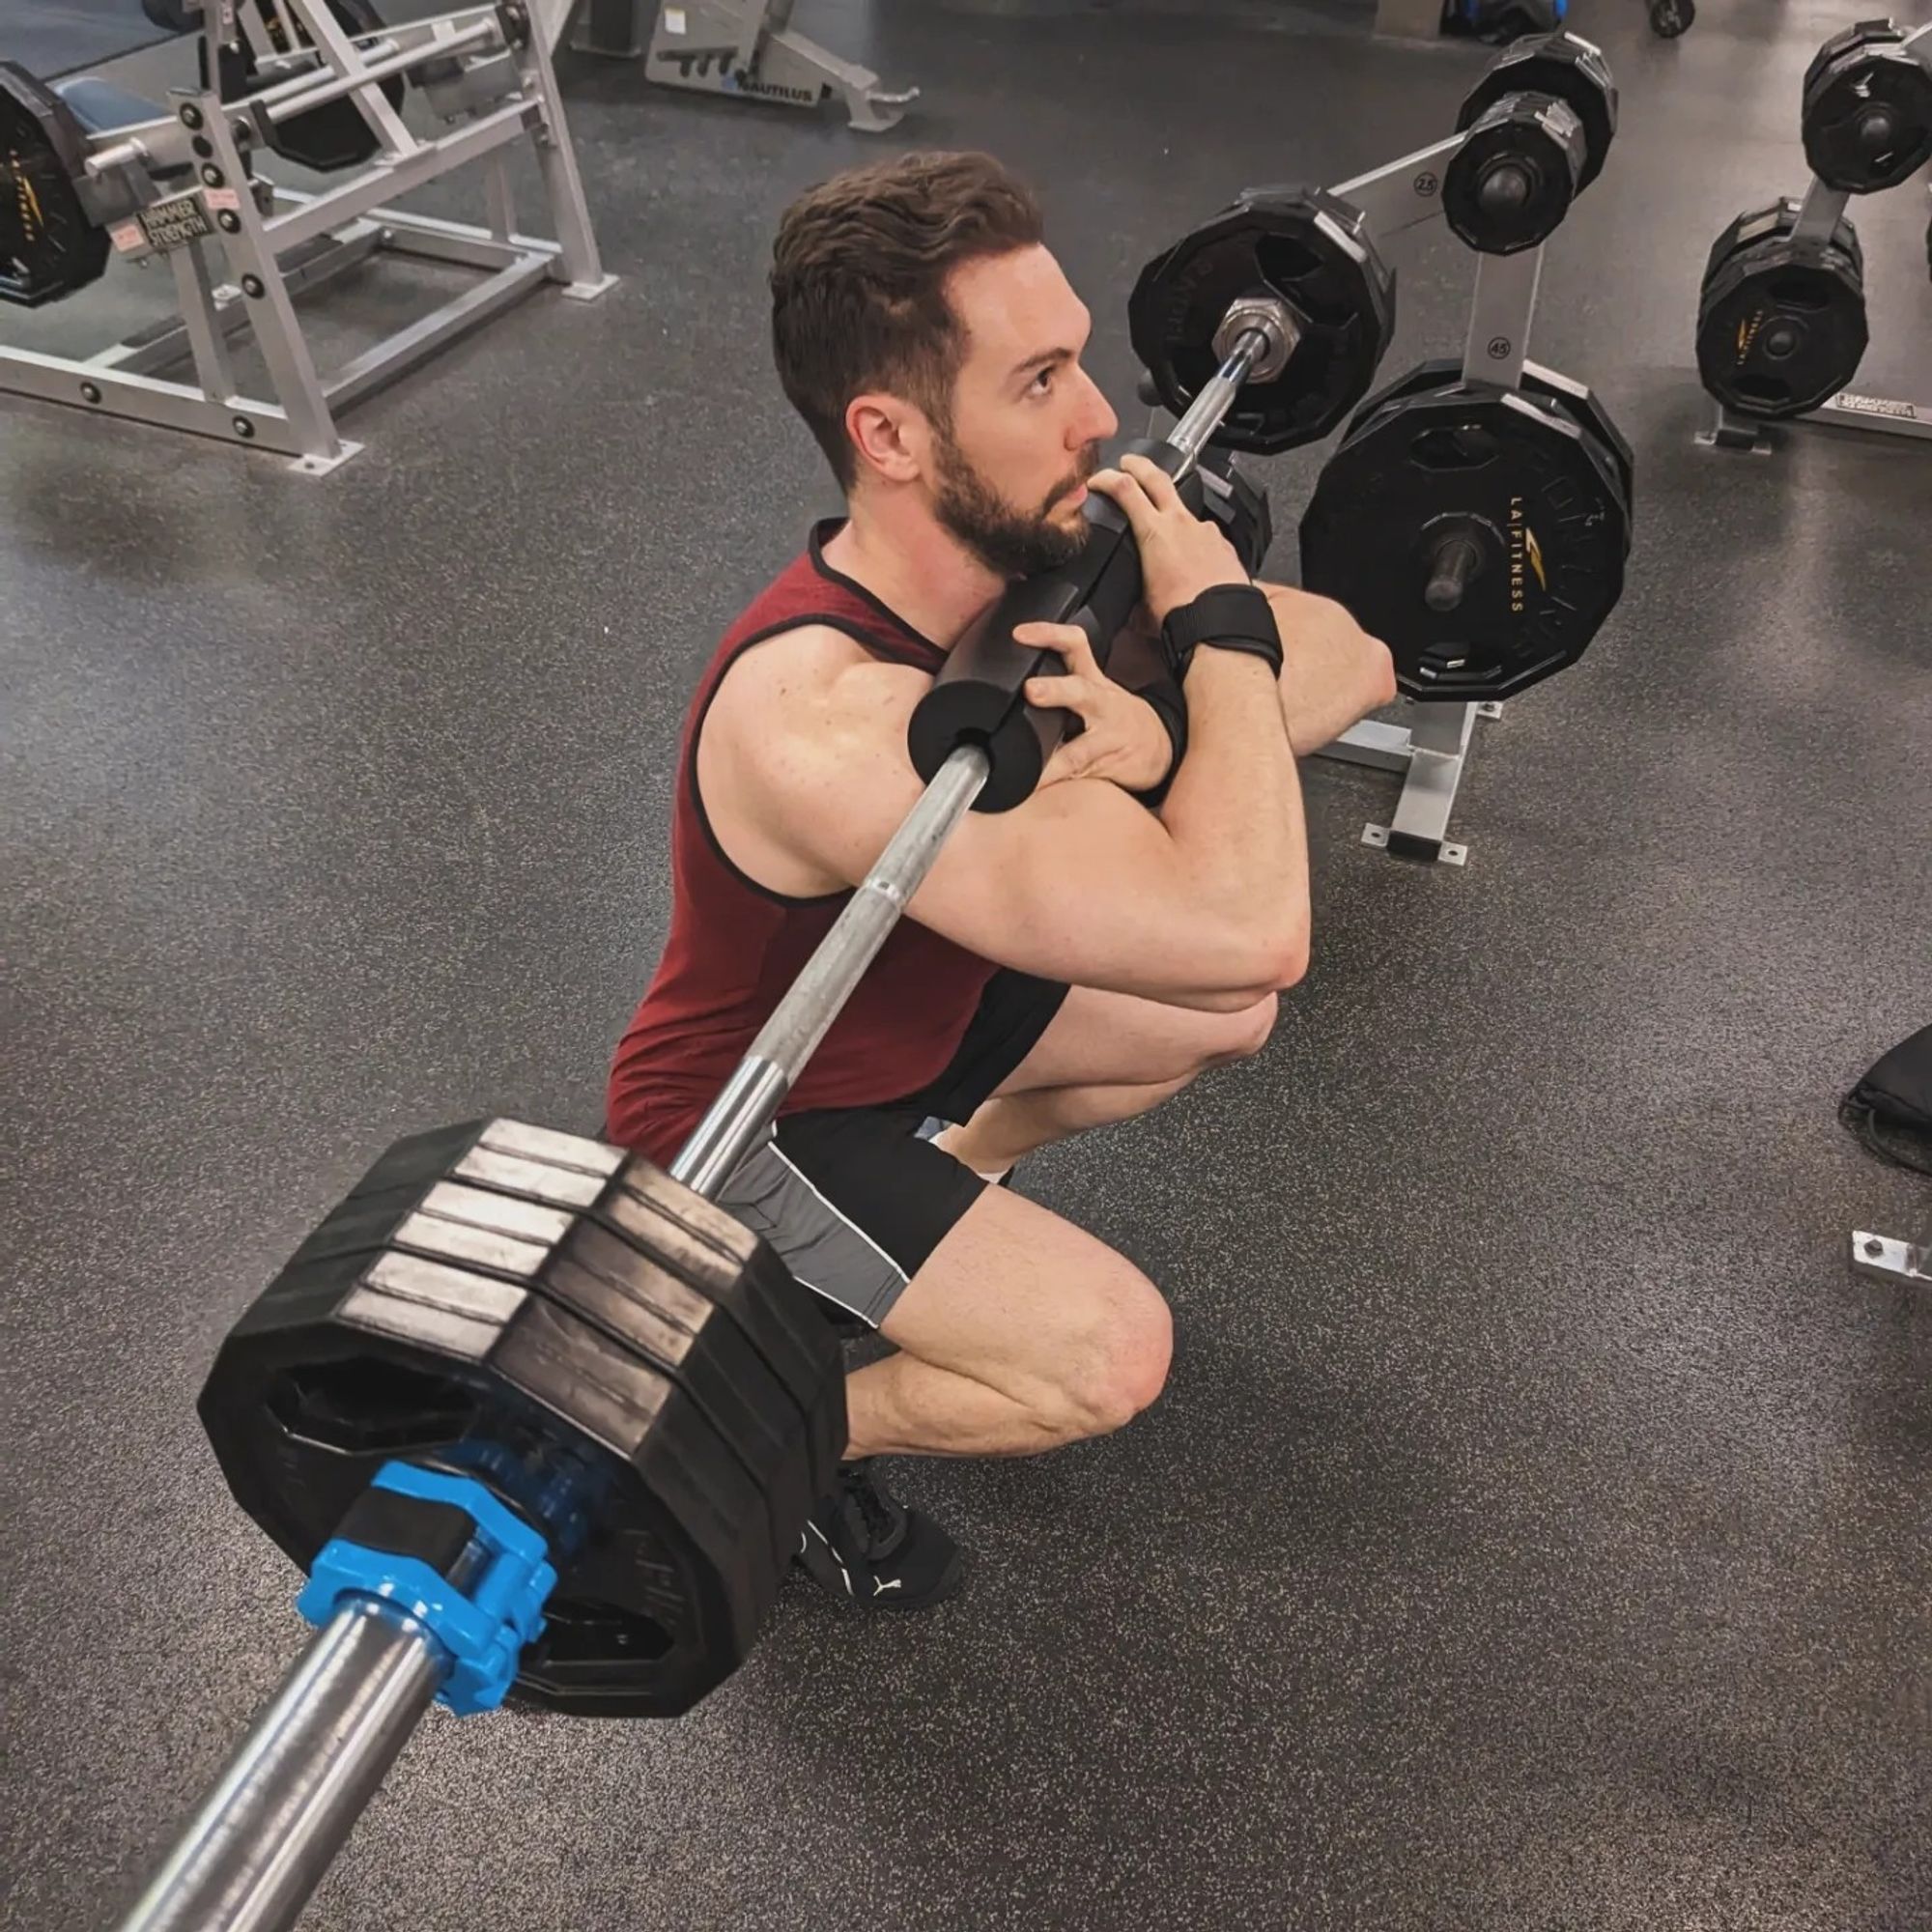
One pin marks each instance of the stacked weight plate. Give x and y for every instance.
(1781, 319)
(627, 1366)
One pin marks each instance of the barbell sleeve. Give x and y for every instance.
(295, 1785)
(1454, 564)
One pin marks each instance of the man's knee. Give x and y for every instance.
(1117, 1365)
(1242, 1035)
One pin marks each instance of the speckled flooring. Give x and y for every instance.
(1535, 1533)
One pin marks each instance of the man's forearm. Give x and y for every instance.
(1236, 808)
(1136, 664)
(1333, 675)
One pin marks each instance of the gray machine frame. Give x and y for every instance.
(743, 49)
(1890, 1258)
(279, 241)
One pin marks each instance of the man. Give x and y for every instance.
(1068, 963)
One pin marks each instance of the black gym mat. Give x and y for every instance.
(1532, 1537)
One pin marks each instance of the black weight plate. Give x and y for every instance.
(1576, 399)
(1780, 320)
(1668, 18)
(334, 135)
(1311, 251)
(48, 247)
(1864, 33)
(1566, 66)
(1584, 406)
(1867, 112)
(700, 1243)
(600, 1276)
(339, 1367)
(1511, 183)
(1514, 475)
(1781, 219)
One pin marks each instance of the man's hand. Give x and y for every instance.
(1182, 555)
(1123, 739)
(1333, 673)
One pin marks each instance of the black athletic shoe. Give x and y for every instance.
(865, 1549)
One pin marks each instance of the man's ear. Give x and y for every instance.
(892, 435)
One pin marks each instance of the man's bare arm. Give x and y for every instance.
(1079, 883)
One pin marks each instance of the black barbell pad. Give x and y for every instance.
(978, 695)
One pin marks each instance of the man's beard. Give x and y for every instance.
(1011, 543)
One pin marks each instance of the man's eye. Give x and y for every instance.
(1044, 380)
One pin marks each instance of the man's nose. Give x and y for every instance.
(1099, 421)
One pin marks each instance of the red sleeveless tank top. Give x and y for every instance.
(734, 946)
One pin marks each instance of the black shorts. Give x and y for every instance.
(854, 1198)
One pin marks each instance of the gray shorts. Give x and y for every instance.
(855, 1199)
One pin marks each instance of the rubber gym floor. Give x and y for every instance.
(1535, 1531)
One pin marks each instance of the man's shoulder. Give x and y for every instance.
(810, 649)
(803, 677)
(802, 740)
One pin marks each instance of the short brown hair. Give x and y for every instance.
(857, 280)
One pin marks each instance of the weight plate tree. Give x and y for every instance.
(1782, 325)
(1781, 314)
(1480, 526)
